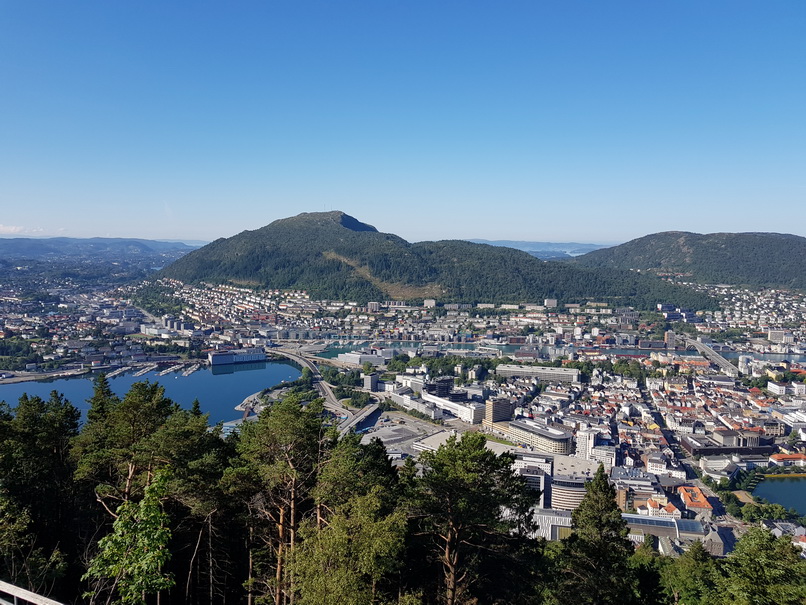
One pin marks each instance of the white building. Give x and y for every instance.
(544, 374)
(540, 437)
(470, 411)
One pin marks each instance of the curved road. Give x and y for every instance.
(331, 401)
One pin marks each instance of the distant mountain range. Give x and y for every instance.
(753, 259)
(87, 248)
(334, 256)
(544, 250)
(92, 262)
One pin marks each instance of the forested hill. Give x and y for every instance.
(332, 255)
(756, 259)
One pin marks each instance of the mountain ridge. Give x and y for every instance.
(38, 248)
(754, 258)
(335, 256)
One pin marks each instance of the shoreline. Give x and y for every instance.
(44, 376)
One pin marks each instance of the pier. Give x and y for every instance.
(118, 372)
(175, 368)
(149, 368)
(191, 369)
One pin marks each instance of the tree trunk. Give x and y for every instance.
(278, 589)
(450, 561)
(192, 563)
(210, 555)
(251, 568)
(278, 578)
(292, 526)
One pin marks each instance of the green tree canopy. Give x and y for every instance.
(763, 570)
(470, 503)
(593, 564)
(132, 557)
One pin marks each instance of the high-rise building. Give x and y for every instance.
(586, 441)
(371, 382)
(669, 339)
(497, 410)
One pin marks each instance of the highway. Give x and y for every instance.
(351, 423)
(332, 403)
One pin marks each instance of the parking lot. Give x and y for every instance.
(399, 431)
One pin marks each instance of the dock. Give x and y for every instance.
(175, 368)
(118, 372)
(191, 369)
(149, 368)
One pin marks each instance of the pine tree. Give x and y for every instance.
(471, 504)
(594, 561)
(35, 465)
(102, 400)
(690, 578)
(351, 545)
(195, 408)
(280, 457)
(116, 451)
(347, 560)
(646, 565)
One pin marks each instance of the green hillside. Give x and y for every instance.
(756, 259)
(332, 255)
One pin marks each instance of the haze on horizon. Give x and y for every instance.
(584, 122)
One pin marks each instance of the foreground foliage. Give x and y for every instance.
(145, 502)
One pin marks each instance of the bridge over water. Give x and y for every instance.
(712, 356)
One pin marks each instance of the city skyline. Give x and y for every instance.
(584, 122)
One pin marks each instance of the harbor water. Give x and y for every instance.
(218, 389)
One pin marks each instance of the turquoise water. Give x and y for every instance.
(789, 492)
(218, 391)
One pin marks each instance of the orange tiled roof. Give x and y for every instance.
(694, 498)
(788, 457)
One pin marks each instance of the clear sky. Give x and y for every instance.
(566, 120)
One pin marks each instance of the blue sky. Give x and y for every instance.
(524, 120)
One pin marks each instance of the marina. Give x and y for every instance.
(218, 392)
(171, 369)
(146, 370)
